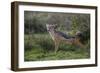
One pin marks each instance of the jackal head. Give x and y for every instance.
(51, 27)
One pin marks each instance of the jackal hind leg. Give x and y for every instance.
(80, 45)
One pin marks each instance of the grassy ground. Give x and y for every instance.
(39, 47)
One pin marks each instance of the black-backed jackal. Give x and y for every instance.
(58, 37)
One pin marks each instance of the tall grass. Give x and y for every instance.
(40, 47)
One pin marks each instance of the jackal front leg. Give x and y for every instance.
(56, 46)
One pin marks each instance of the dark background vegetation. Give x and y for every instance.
(38, 43)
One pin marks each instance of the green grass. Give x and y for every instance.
(39, 47)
